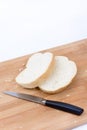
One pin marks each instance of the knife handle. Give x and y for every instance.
(64, 107)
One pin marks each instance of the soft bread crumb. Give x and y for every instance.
(1, 96)
(50, 74)
(37, 68)
(85, 71)
(8, 80)
(20, 69)
(75, 121)
(61, 76)
(67, 95)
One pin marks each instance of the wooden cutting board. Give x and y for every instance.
(16, 114)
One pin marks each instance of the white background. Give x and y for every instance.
(28, 26)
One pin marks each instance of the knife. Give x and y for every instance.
(54, 104)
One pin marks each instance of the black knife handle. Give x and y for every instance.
(64, 107)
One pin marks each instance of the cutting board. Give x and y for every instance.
(16, 114)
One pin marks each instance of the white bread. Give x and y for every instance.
(37, 68)
(61, 76)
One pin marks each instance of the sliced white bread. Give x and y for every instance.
(37, 68)
(61, 76)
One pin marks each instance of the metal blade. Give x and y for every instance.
(26, 97)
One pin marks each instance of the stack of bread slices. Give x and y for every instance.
(48, 72)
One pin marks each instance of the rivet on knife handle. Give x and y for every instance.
(64, 107)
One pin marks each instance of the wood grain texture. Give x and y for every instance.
(16, 114)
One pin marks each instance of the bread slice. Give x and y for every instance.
(37, 68)
(61, 76)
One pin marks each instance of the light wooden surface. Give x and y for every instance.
(16, 114)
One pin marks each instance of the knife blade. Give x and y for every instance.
(50, 103)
